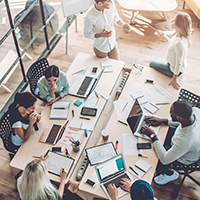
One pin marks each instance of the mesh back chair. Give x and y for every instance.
(34, 73)
(186, 170)
(5, 132)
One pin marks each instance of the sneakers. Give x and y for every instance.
(163, 179)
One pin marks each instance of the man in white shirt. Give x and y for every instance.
(183, 144)
(99, 25)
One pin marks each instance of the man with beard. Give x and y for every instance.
(182, 143)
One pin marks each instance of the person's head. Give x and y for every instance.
(180, 110)
(26, 101)
(103, 4)
(51, 74)
(182, 23)
(141, 190)
(34, 182)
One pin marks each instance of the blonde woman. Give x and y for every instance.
(34, 184)
(177, 49)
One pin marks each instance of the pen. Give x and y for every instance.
(61, 108)
(122, 122)
(72, 113)
(140, 169)
(96, 94)
(86, 132)
(133, 170)
(162, 103)
(35, 156)
(85, 118)
(142, 155)
(116, 145)
(124, 107)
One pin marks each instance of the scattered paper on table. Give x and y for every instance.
(103, 94)
(81, 125)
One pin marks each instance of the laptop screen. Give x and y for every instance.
(134, 116)
(110, 167)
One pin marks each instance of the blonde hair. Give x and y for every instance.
(34, 184)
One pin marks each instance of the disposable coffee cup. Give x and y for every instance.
(105, 134)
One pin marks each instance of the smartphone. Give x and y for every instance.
(90, 182)
(144, 145)
(89, 111)
(57, 149)
(94, 70)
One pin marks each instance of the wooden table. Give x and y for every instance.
(34, 147)
(117, 129)
(148, 5)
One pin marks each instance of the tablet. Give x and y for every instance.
(57, 161)
(100, 153)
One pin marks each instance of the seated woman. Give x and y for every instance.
(23, 116)
(53, 85)
(35, 184)
(139, 190)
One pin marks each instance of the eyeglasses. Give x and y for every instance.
(138, 67)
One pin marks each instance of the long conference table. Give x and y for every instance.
(117, 129)
(107, 82)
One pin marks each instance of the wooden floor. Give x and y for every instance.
(140, 46)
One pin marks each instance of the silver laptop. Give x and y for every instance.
(112, 171)
(83, 86)
(136, 121)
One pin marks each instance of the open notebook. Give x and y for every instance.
(60, 110)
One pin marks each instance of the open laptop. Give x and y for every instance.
(83, 86)
(112, 171)
(136, 121)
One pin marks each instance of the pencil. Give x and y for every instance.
(124, 107)
(162, 103)
(35, 156)
(77, 71)
(97, 101)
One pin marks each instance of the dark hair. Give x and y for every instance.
(51, 71)
(97, 1)
(25, 99)
(182, 109)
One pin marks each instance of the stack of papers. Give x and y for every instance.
(60, 110)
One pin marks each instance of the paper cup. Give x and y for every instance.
(105, 134)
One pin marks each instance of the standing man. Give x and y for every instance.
(99, 26)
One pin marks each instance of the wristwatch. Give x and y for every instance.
(152, 135)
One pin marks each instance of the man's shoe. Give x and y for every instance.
(163, 179)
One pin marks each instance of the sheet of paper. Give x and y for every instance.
(60, 110)
(105, 95)
(71, 133)
(123, 108)
(81, 125)
(130, 144)
(158, 93)
(91, 102)
(107, 66)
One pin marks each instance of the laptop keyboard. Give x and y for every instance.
(84, 86)
(53, 133)
(144, 123)
(116, 180)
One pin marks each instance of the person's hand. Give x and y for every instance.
(147, 131)
(112, 191)
(53, 87)
(105, 33)
(125, 184)
(174, 84)
(33, 117)
(160, 33)
(44, 157)
(63, 174)
(153, 121)
(126, 28)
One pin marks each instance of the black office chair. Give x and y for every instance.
(186, 170)
(34, 73)
(5, 132)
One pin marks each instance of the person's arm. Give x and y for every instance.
(63, 175)
(174, 82)
(65, 85)
(125, 27)
(162, 35)
(155, 121)
(88, 29)
(112, 191)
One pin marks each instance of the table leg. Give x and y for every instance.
(134, 15)
(163, 15)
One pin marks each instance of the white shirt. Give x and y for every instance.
(177, 52)
(96, 21)
(185, 143)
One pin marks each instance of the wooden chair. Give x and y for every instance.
(35, 72)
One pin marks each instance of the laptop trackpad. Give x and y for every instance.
(121, 192)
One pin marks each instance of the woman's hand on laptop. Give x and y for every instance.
(112, 191)
(125, 184)
(155, 121)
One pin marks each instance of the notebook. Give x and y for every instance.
(60, 110)
(83, 86)
(52, 133)
(112, 171)
(57, 161)
(136, 121)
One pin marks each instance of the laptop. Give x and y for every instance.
(52, 133)
(112, 171)
(136, 121)
(83, 86)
